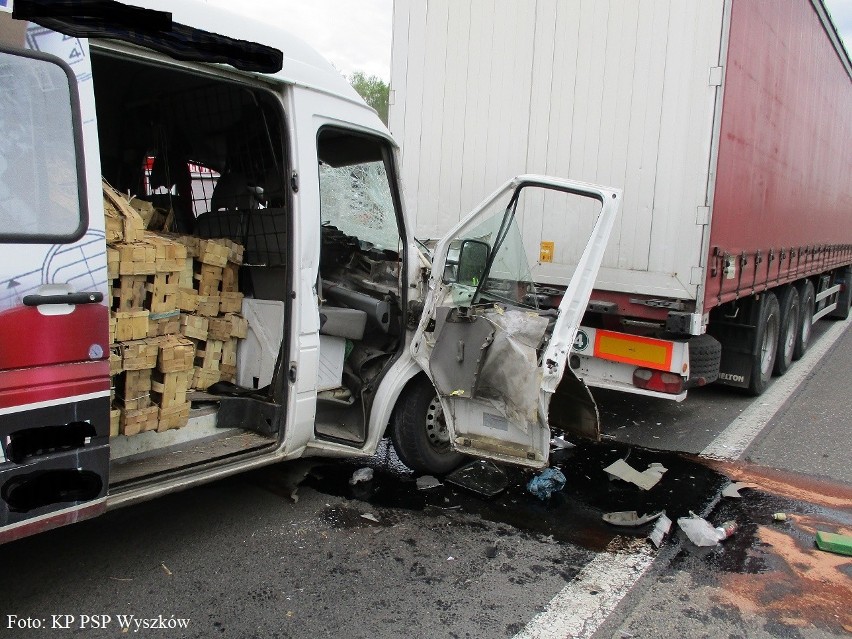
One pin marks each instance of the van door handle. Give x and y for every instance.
(68, 298)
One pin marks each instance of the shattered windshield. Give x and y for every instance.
(357, 199)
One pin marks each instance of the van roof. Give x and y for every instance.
(303, 65)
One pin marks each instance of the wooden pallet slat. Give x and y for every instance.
(170, 256)
(171, 417)
(208, 279)
(161, 292)
(230, 302)
(161, 326)
(170, 389)
(194, 326)
(213, 252)
(123, 223)
(133, 389)
(208, 305)
(228, 366)
(129, 292)
(135, 421)
(175, 354)
(231, 278)
(139, 354)
(131, 324)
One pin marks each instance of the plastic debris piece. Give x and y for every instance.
(661, 529)
(370, 517)
(733, 490)
(425, 482)
(700, 531)
(727, 529)
(547, 482)
(629, 518)
(480, 476)
(832, 542)
(646, 480)
(491, 552)
(560, 442)
(779, 516)
(457, 393)
(362, 474)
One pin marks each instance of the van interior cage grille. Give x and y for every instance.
(214, 160)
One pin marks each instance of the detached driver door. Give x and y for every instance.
(493, 355)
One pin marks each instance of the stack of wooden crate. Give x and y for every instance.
(210, 303)
(175, 318)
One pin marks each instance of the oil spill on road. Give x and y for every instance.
(773, 568)
(570, 516)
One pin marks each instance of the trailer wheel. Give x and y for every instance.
(807, 305)
(844, 297)
(705, 353)
(765, 343)
(788, 303)
(419, 432)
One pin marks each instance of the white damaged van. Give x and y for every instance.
(358, 331)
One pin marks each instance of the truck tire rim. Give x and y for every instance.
(436, 426)
(806, 321)
(767, 349)
(790, 340)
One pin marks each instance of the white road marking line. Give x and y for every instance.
(732, 442)
(575, 612)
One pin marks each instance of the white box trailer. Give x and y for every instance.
(731, 162)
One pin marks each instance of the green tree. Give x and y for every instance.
(374, 90)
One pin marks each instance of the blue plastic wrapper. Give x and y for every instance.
(547, 482)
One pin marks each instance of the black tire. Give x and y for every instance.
(788, 331)
(765, 343)
(844, 297)
(419, 433)
(705, 354)
(807, 306)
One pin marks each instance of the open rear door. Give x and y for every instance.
(54, 321)
(494, 357)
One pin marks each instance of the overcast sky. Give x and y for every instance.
(355, 35)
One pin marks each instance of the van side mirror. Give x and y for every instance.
(473, 258)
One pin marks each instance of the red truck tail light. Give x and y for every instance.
(657, 381)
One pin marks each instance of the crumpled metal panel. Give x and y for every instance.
(510, 373)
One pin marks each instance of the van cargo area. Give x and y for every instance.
(201, 297)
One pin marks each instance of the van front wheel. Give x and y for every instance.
(419, 431)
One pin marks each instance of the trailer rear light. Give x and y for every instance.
(657, 381)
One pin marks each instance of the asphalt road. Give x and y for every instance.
(238, 558)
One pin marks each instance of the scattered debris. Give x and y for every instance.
(832, 542)
(547, 482)
(646, 480)
(480, 476)
(779, 516)
(425, 482)
(451, 558)
(727, 529)
(370, 517)
(629, 518)
(561, 442)
(733, 490)
(661, 529)
(166, 570)
(362, 474)
(700, 531)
